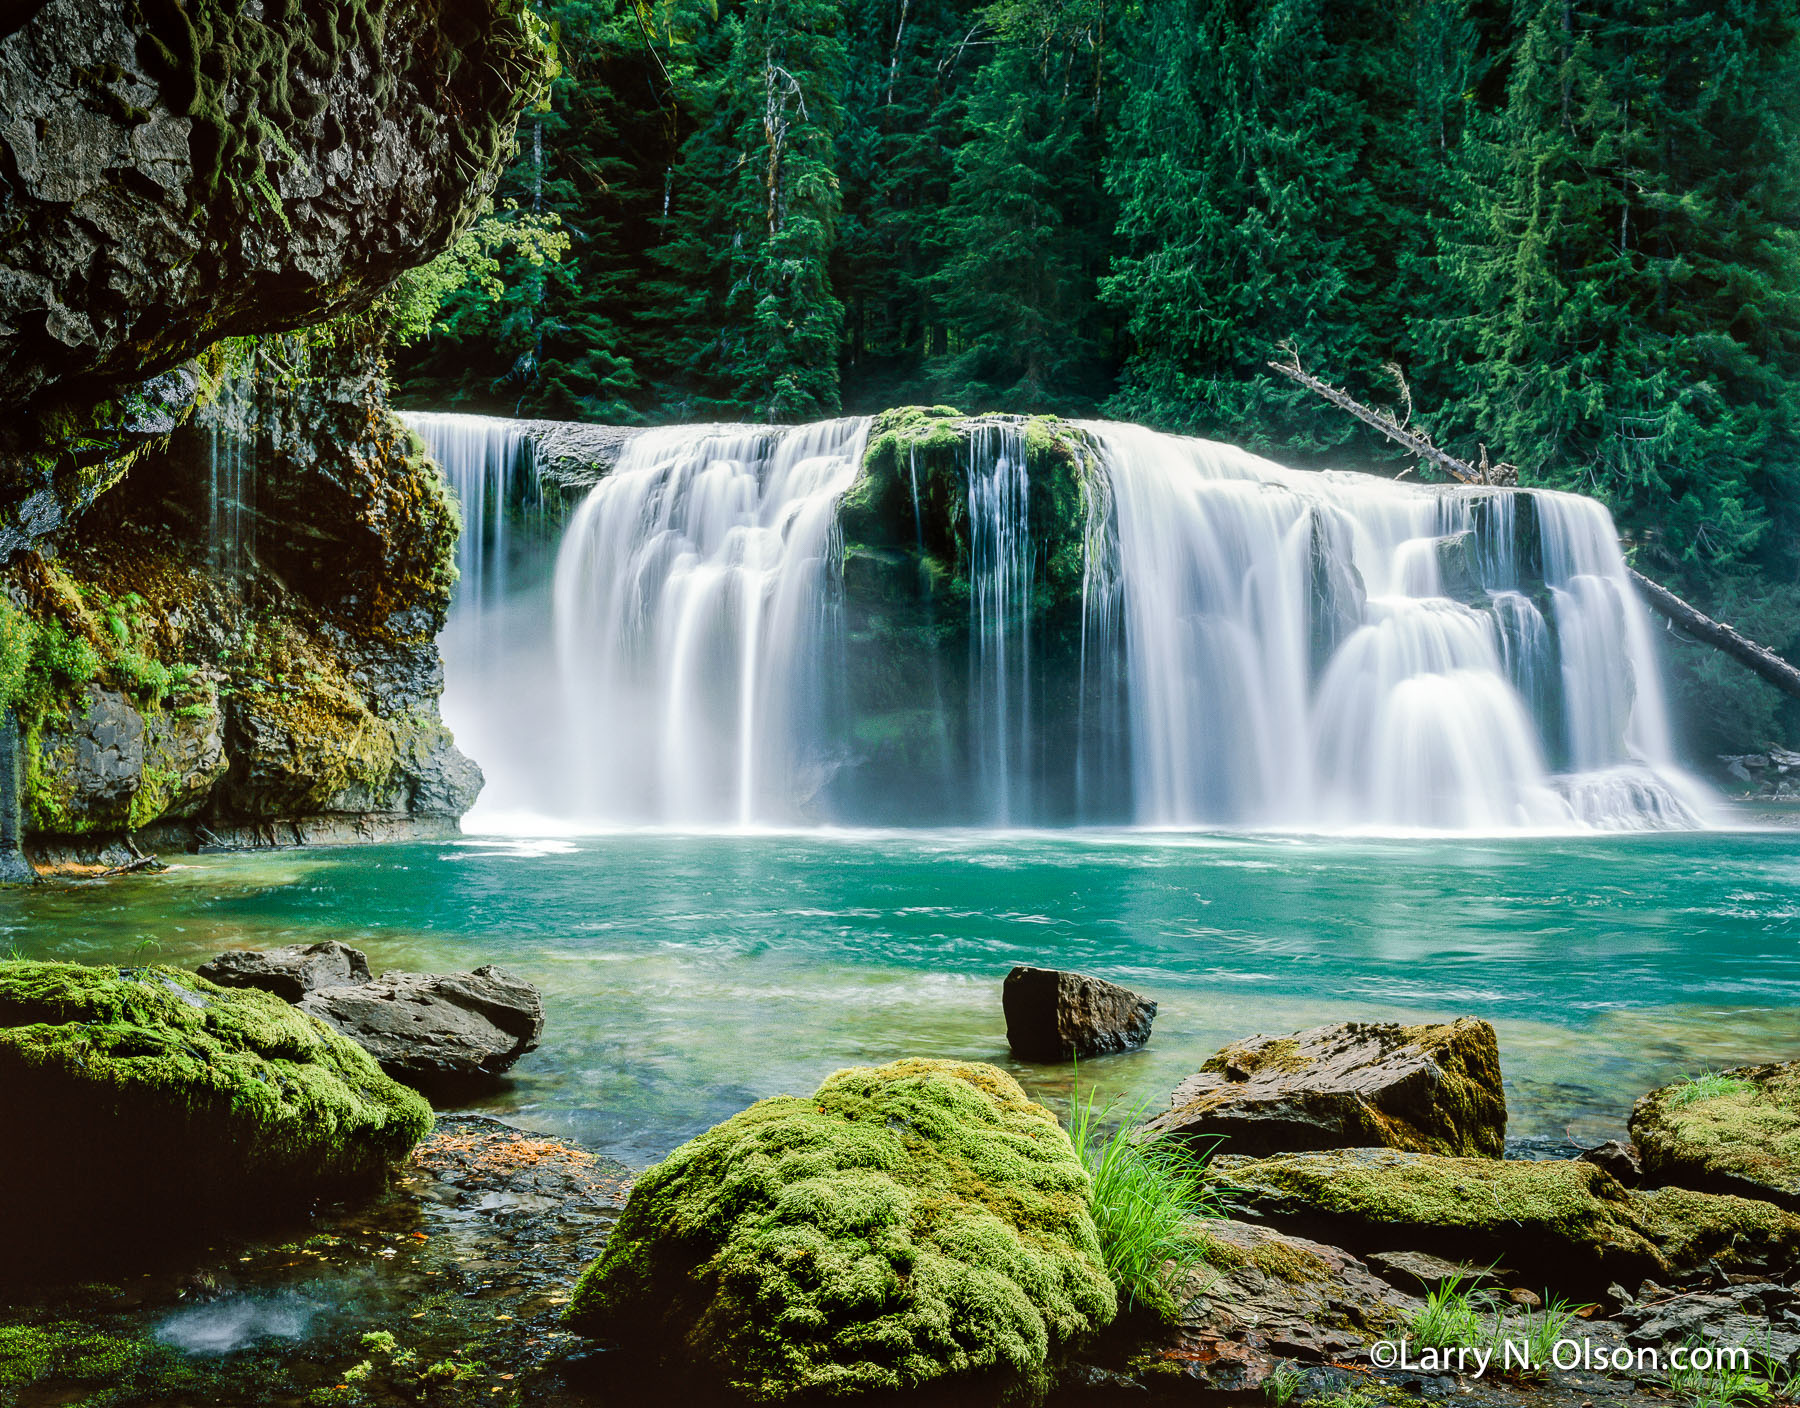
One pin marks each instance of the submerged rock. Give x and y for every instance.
(1052, 1015)
(149, 1093)
(1733, 1131)
(1569, 1223)
(290, 973)
(436, 1026)
(905, 1225)
(1432, 1089)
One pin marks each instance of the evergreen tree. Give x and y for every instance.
(1625, 259)
(911, 64)
(1263, 170)
(749, 319)
(1028, 221)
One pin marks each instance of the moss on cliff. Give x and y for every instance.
(130, 1091)
(905, 1224)
(253, 76)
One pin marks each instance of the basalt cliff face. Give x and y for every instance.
(225, 564)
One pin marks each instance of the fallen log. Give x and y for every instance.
(1680, 614)
(1717, 634)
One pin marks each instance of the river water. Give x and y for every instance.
(687, 975)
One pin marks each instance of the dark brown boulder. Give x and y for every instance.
(1053, 1016)
(292, 972)
(425, 1028)
(1431, 1089)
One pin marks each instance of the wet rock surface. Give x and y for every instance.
(310, 718)
(1052, 1015)
(449, 1288)
(1762, 1317)
(1430, 1089)
(292, 972)
(432, 1027)
(1565, 1224)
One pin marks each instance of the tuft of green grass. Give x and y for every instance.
(1145, 1194)
(1721, 1386)
(1708, 1085)
(1284, 1382)
(1453, 1318)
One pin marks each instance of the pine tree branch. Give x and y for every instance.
(1685, 617)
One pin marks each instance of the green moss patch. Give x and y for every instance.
(1726, 1132)
(149, 1092)
(903, 1225)
(1564, 1220)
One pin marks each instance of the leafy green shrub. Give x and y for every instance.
(18, 637)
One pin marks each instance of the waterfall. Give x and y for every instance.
(496, 642)
(231, 479)
(1001, 576)
(1430, 710)
(694, 624)
(1252, 645)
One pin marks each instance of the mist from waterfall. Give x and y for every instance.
(1258, 646)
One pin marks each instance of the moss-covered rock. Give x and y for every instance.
(132, 1093)
(1433, 1088)
(1733, 1131)
(908, 558)
(905, 1225)
(1566, 1221)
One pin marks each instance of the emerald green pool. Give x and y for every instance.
(686, 975)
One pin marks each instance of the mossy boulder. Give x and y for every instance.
(133, 1093)
(906, 1225)
(1565, 1221)
(1734, 1131)
(1432, 1088)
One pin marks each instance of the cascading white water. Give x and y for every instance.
(496, 641)
(1424, 714)
(1001, 574)
(231, 479)
(1259, 646)
(694, 618)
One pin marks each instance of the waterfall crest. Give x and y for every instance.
(744, 625)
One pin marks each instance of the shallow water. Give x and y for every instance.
(686, 975)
